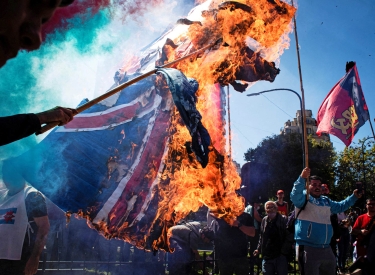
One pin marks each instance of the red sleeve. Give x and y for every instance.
(358, 223)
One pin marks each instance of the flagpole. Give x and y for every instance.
(303, 103)
(122, 86)
(372, 129)
(229, 127)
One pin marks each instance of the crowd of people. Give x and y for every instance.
(321, 235)
(316, 236)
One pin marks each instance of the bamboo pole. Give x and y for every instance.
(229, 126)
(122, 86)
(303, 104)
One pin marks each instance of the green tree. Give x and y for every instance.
(356, 163)
(283, 155)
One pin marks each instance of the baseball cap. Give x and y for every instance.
(65, 3)
(280, 191)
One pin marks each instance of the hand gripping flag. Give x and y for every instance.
(344, 110)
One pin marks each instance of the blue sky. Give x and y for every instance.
(329, 33)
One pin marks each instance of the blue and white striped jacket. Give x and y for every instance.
(313, 226)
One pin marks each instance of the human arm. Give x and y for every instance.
(248, 230)
(337, 207)
(257, 217)
(359, 227)
(288, 238)
(297, 196)
(245, 223)
(259, 247)
(20, 126)
(57, 114)
(43, 228)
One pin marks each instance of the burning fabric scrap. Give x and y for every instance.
(183, 93)
(141, 160)
(235, 22)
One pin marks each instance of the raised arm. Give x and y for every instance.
(298, 196)
(341, 206)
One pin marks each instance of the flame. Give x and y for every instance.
(183, 185)
(190, 186)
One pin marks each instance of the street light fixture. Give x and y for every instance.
(363, 163)
(302, 120)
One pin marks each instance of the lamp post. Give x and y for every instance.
(363, 164)
(302, 110)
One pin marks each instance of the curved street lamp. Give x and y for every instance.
(363, 163)
(302, 120)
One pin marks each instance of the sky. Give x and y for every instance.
(79, 63)
(330, 33)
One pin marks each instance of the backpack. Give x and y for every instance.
(290, 224)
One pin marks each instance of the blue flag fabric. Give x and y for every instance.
(183, 91)
(78, 166)
(104, 164)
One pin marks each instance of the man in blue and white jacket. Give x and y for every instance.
(313, 230)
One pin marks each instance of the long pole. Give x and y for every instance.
(229, 126)
(363, 162)
(303, 102)
(372, 129)
(122, 86)
(302, 122)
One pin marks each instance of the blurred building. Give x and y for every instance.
(295, 126)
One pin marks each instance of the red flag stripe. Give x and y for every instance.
(139, 184)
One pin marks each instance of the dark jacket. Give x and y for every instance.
(18, 126)
(284, 235)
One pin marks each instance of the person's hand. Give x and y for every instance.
(364, 232)
(357, 194)
(236, 223)
(57, 114)
(32, 265)
(256, 252)
(305, 173)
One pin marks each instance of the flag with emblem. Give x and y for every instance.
(344, 109)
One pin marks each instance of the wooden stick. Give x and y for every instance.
(122, 86)
(303, 105)
(229, 126)
(372, 129)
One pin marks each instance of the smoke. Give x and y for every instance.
(85, 9)
(80, 56)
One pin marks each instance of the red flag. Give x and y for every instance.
(344, 110)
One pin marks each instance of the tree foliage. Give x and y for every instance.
(284, 157)
(356, 163)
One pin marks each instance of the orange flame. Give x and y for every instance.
(184, 185)
(189, 185)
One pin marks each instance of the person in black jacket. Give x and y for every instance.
(275, 241)
(19, 126)
(20, 29)
(231, 243)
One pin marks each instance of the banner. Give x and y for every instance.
(344, 110)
